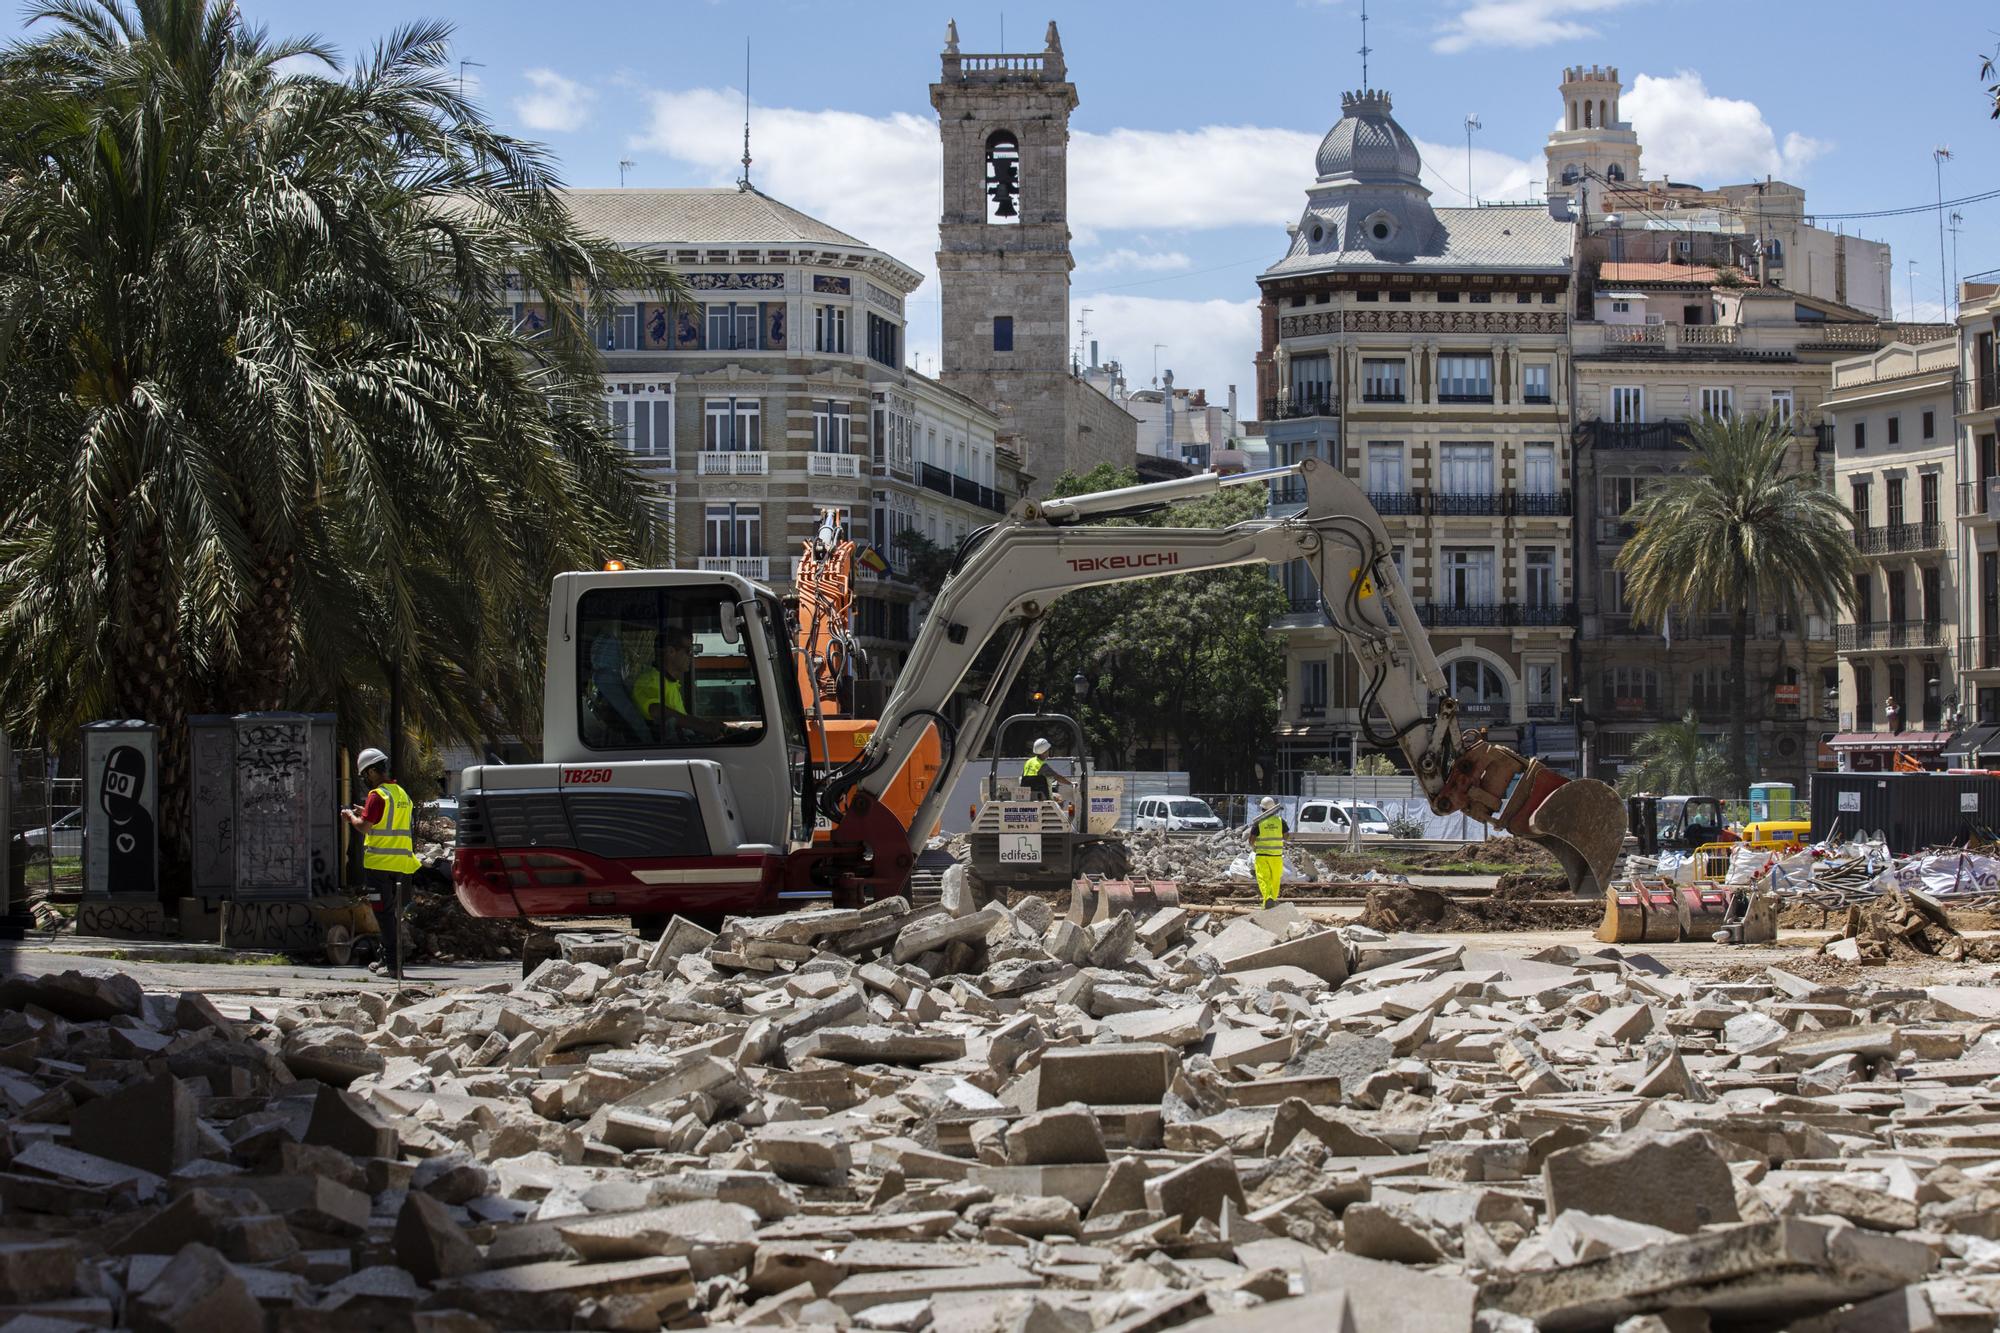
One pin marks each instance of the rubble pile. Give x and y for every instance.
(1903, 924)
(972, 1118)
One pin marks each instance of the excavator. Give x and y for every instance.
(678, 773)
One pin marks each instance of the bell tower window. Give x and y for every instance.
(1003, 177)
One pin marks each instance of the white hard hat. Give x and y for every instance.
(1267, 803)
(369, 758)
(1041, 745)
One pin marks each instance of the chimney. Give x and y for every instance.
(1093, 353)
(1232, 402)
(1200, 398)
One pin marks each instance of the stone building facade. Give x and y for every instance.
(783, 392)
(1896, 461)
(1977, 540)
(1004, 258)
(1422, 350)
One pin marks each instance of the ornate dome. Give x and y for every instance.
(1368, 145)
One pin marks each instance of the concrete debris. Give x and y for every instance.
(982, 1119)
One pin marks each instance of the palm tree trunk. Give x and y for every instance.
(264, 679)
(1739, 647)
(151, 685)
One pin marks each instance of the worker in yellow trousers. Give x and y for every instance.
(1267, 840)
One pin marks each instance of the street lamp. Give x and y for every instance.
(1582, 736)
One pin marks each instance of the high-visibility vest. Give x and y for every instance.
(391, 845)
(650, 688)
(1270, 836)
(1032, 767)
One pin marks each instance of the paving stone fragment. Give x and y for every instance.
(198, 1291)
(1197, 1189)
(1679, 1181)
(1067, 1133)
(149, 1124)
(429, 1244)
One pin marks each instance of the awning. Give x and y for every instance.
(1927, 742)
(1974, 741)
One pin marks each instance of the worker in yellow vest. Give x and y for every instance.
(389, 851)
(1267, 840)
(1037, 772)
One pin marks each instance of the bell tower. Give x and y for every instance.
(1595, 149)
(1003, 243)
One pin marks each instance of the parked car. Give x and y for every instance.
(1175, 814)
(1332, 817)
(62, 838)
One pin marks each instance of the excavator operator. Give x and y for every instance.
(660, 695)
(1037, 771)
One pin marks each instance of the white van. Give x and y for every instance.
(1174, 812)
(1320, 816)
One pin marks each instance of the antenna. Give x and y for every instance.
(1957, 221)
(1364, 45)
(1083, 331)
(1471, 123)
(1939, 156)
(744, 182)
(625, 164)
(462, 67)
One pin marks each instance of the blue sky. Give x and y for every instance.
(1197, 123)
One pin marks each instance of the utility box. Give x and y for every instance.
(265, 822)
(121, 802)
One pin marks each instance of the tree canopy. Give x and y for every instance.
(1742, 529)
(272, 435)
(1186, 661)
(1674, 757)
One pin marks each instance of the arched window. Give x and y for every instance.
(1615, 172)
(1570, 174)
(1003, 177)
(1588, 107)
(1475, 682)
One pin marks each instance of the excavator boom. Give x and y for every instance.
(1007, 575)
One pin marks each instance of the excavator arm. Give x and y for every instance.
(1008, 575)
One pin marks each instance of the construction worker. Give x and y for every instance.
(659, 694)
(1037, 771)
(1266, 836)
(389, 851)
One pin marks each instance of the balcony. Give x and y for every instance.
(933, 478)
(1395, 502)
(1614, 531)
(1539, 504)
(1979, 652)
(1823, 437)
(1469, 615)
(1979, 501)
(1543, 613)
(1885, 636)
(1536, 400)
(756, 567)
(1655, 435)
(832, 465)
(1383, 396)
(735, 463)
(1451, 505)
(1977, 395)
(1899, 538)
(1298, 405)
(1288, 495)
(1465, 397)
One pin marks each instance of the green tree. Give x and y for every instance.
(1673, 757)
(271, 433)
(1741, 527)
(924, 560)
(1185, 660)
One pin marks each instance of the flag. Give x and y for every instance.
(871, 559)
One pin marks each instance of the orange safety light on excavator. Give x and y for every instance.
(613, 566)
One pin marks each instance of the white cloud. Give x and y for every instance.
(1688, 133)
(1209, 344)
(1127, 260)
(557, 105)
(1518, 23)
(1495, 176)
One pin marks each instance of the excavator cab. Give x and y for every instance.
(1022, 838)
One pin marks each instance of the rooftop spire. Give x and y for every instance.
(743, 182)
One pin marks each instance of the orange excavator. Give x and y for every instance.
(826, 657)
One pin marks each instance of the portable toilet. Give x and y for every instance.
(1774, 800)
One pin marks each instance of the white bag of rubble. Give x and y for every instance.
(1746, 864)
(1297, 871)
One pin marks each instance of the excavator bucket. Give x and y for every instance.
(1583, 823)
(1092, 900)
(1624, 915)
(1703, 909)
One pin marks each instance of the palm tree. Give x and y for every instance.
(269, 434)
(1673, 757)
(1740, 527)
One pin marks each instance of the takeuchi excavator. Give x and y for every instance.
(678, 775)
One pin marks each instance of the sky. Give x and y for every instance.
(1193, 141)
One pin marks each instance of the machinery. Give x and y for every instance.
(646, 806)
(1020, 840)
(1675, 823)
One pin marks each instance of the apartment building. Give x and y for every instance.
(1977, 541)
(1421, 350)
(783, 393)
(1896, 463)
(1656, 347)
